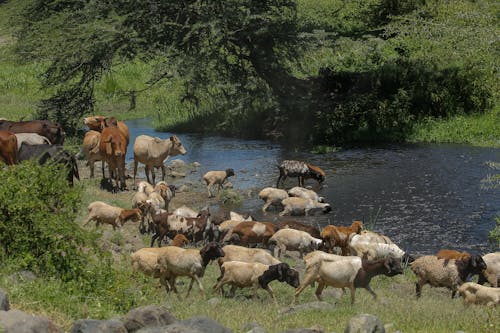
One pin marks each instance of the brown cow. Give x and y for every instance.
(46, 128)
(98, 123)
(252, 232)
(113, 148)
(90, 148)
(8, 147)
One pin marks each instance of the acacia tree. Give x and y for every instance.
(207, 43)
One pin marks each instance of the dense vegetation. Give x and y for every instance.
(322, 72)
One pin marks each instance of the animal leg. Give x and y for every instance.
(153, 175)
(418, 288)
(270, 291)
(163, 172)
(266, 206)
(146, 170)
(319, 290)
(353, 293)
(202, 291)
(370, 290)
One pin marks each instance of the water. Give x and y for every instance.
(425, 197)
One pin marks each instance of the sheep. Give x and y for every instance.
(31, 139)
(185, 211)
(313, 231)
(301, 206)
(449, 273)
(492, 272)
(145, 260)
(249, 232)
(352, 273)
(103, 213)
(224, 230)
(293, 240)
(301, 192)
(167, 192)
(339, 236)
(371, 250)
(272, 197)
(145, 187)
(373, 237)
(179, 240)
(223, 215)
(218, 178)
(255, 275)
(452, 254)
(240, 253)
(291, 168)
(156, 200)
(174, 261)
(474, 293)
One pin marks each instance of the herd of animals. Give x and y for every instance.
(248, 252)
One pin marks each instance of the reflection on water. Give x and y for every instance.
(425, 197)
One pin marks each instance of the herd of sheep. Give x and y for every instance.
(249, 252)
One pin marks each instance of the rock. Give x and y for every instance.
(176, 174)
(196, 164)
(177, 164)
(252, 328)
(308, 306)
(315, 329)
(191, 325)
(183, 188)
(98, 326)
(4, 301)
(22, 322)
(22, 276)
(147, 316)
(365, 323)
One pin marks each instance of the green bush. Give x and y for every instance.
(495, 234)
(37, 228)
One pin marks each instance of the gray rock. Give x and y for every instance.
(183, 188)
(22, 276)
(177, 163)
(191, 325)
(308, 306)
(305, 330)
(176, 174)
(15, 321)
(196, 164)
(4, 301)
(147, 316)
(252, 328)
(365, 323)
(98, 326)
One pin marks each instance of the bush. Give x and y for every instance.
(495, 234)
(37, 228)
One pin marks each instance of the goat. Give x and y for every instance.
(293, 240)
(492, 272)
(218, 178)
(272, 196)
(292, 168)
(301, 206)
(474, 293)
(339, 236)
(103, 213)
(313, 231)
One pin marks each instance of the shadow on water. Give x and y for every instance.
(425, 197)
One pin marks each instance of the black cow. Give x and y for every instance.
(46, 153)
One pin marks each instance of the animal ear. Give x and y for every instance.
(172, 138)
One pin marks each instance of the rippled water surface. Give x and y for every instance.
(425, 197)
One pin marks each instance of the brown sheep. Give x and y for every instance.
(339, 236)
(179, 240)
(252, 232)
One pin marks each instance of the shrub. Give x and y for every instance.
(495, 234)
(37, 228)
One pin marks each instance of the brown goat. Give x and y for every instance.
(252, 232)
(179, 240)
(452, 254)
(339, 236)
(313, 231)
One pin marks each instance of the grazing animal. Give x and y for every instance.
(245, 254)
(301, 192)
(339, 236)
(8, 147)
(90, 148)
(243, 274)
(272, 197)
(313, 231)
(179, 240)
(44, 154)
(492, 272)
(452, 254)
(449, 273)
(363, 247)
(352, 273)
(153, 152)
(251, 232)
(145, 187)
(218, 178)
(301, 170)
(113, 146)
(31, 139)
(300, 206)
(102, 212)
(175, 261)
(185, 212)
(46, 128)
(293, 240)
(98, 123)
(474, 293)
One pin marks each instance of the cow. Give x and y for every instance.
(98, 123)
(90, 149)
(44, 154)
(8, 147)
(50, 130)
(113, 148)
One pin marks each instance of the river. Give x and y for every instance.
(425, 197)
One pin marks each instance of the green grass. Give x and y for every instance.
(477, 130)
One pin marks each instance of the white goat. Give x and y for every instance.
(272, 196)
(294, 240)
(301, 206)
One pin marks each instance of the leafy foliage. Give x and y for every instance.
(37, 210)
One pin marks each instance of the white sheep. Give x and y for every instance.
(245, 254)
(175, 261)
(225, 229)
(301, 206)
(218, 178)
(256, 275)
(492, 271)
(447, 273)
(373, 237)
(474, 293)
(145, 260)
(101, 212)
(156, 201)
(272, 196)
(185, 212)
(165, 192)
(145, 187)
(294, 240)
(371, 250)
(301, 192)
